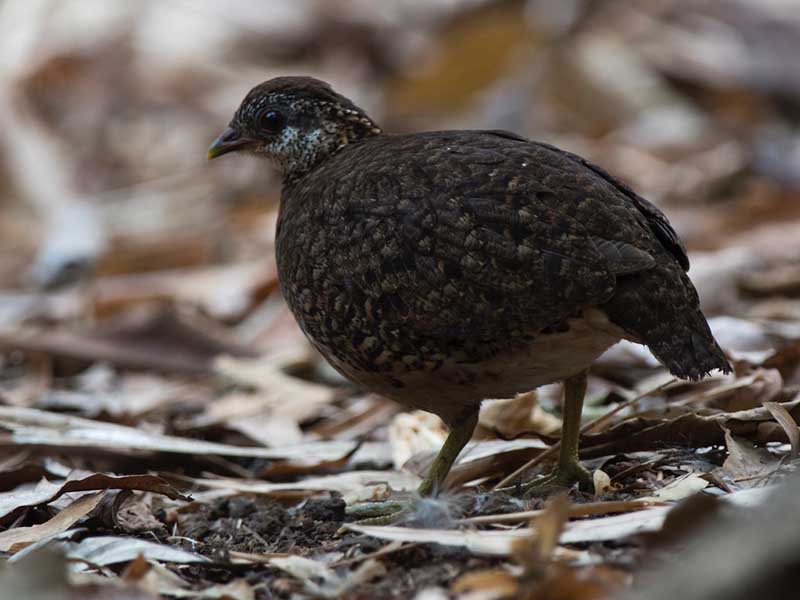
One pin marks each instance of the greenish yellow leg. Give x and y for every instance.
(383, 513)
(460, 435)
(569, 470)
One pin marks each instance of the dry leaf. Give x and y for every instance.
(155, 578)
(40, 428)
(602, 482)
(489, 584)
(510, 418)
(746, 465)
(354, 485)
(107, 550)
(13, 540)
(785, 420)
(536, 552)
(224, 292)
(272, 413)
(689, 430)
(414, 433)
(320, 580)
(680, 488)
(134, 514)
(45, 491)
(161, 340)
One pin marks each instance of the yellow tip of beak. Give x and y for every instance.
(228, 141)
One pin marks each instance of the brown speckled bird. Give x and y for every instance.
(445, 267)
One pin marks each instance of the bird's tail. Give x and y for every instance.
(662, 310)
(691, 355)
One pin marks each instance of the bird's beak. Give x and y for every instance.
(228, 141)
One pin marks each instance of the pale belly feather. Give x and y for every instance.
(457, 388)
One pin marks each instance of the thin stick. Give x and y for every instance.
(592, 425)
(575, 510)
(389, 548)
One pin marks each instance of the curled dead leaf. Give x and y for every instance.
(16, 500)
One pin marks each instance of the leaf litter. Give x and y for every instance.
(167, 432)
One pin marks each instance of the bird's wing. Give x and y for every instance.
(478, 236)
(656, 219)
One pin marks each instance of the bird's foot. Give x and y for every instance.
(414, 511)
(564, 476)
(387, 512)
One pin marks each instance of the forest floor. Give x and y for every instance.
(167, 432)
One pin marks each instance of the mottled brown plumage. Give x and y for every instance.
(445, 267)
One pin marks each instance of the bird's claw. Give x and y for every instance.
(564, 476)
(379, 513)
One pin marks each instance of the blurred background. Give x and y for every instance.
(129, 264)
(106, 110)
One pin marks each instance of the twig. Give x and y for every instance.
(389, 548)
(575, 511)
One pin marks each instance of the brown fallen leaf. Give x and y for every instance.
(747, 466)
(786, 360)
(133, 513)
(509, 418)
(21, 469)
(11, 503)
(224, 292)
(31, 427)
(162, 340)
(690, 430)
(414, 433)
(595, 582)
(13, 540)
(534, 552)
(741, 393)
(785, 420)
(270, 414)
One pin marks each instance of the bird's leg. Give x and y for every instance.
(460, 434)
(383, 513)
(569, 470)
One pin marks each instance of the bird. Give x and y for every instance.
(442, 268)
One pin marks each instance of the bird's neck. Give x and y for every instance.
(323, 144)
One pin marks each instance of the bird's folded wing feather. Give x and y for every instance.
(498, 237)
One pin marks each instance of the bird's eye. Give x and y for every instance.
(272, 121)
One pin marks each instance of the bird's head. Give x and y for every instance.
(297, 122)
